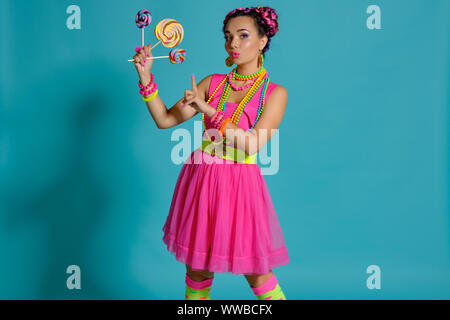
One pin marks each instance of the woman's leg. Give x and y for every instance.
(199, 275)
(198, 284)
(256, 280)
(265, 286)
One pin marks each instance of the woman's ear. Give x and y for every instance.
(264, 41)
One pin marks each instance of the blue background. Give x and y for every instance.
(86, 177)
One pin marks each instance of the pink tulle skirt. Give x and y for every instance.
(222, 218)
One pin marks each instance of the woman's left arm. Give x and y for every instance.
(252, 141)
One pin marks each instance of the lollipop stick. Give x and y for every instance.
(158, 57)
(142, 37)
(156, 44)
(149, 58)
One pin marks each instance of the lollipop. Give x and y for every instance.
(170, 32)
(143, 19)
(177, 55)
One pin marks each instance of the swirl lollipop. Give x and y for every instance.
(143, 19)
(177, 55)
(170, 32)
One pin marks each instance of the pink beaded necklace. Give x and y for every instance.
(230, 81)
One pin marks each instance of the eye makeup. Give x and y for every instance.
(245, 35)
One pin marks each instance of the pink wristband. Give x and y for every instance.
(149, 84)
(143, 92)
(214, 117)
(219, 123)
(218, 119)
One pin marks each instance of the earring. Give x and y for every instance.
(228, 61)
(260, 60)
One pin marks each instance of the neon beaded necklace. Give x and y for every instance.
(260, 75)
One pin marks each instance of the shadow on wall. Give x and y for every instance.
(51, 180)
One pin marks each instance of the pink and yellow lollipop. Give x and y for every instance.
(170, 32)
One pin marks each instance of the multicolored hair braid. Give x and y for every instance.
(266, 20)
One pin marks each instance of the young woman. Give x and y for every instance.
(221, 218)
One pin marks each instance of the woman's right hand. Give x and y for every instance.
(143, 66)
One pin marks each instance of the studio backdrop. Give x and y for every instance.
(358, 170)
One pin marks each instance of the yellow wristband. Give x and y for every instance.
(151, 97)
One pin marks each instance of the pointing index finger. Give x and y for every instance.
(194, 85)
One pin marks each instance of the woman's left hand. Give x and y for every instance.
(192, 99)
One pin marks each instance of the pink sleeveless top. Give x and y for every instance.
(250, 112)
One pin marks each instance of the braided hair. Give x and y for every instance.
(266, 20)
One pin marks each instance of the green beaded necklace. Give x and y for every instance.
(237, 76)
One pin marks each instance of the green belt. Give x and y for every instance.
(229, 153)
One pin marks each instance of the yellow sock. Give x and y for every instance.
(198, 290)
(270, 290)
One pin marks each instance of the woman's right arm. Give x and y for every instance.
(178, 113)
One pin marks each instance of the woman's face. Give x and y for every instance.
(242, 41)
